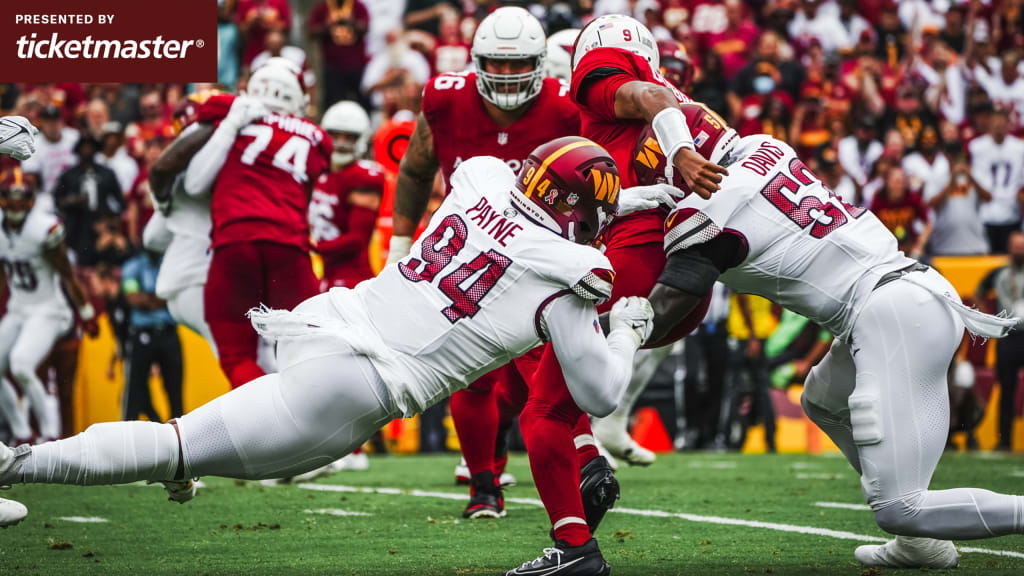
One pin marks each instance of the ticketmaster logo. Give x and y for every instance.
(56, 48)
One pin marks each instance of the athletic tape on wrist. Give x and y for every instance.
(672, 133)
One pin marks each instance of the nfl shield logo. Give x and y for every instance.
(502, 138)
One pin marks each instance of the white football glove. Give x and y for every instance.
(244, 111)
(17, 137)
(399, 248)
(640, 198)
(634, 314)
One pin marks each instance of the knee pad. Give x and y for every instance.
(866, 418)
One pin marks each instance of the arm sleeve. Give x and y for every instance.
(596, 369)
(205, 165)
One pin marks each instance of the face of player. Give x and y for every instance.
(16, 207)
(507, 68)
(344, 147)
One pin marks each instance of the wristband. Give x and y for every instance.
(672, 133)
(87, 313)
(399, 248)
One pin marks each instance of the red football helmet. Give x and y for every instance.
(570, 186)
(187, 110)
(712, 138)
(676, 66)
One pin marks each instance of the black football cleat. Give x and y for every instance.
(485, 499)
(599, 490)
(565, 560)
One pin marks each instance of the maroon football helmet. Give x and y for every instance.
(676, 66)
(187, 110)
(570, 186)
(712, 138)
(17, 196)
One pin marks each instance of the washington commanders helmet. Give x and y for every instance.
(187, 110)
(712, 138)
(570, 186)
(676, 65)
(17, 196)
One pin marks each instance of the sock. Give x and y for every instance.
(583, 437)
(475, 415)
(109, 453)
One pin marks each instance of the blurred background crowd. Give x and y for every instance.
(912, 109)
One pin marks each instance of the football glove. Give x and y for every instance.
(640, 198)
(634, 314)
(244, 111)
(17, 137)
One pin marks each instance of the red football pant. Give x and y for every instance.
(551, 418)
(243, 276)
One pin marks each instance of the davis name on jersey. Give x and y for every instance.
(474, 286)
(262, 191)
(462, 128)
(806, 249)
(33, 282)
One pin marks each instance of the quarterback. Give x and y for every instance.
(776, 231)
(497, 247)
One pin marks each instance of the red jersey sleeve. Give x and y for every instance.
(434, 104)
(598, 76)
(215, 108)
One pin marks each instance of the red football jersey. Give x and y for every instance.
(262, 191)
(341, 230)
(462, 129)
(601, 73)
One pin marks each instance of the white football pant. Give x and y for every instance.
(325, 403)
(25, 341)
(186, 307)
(883, 401)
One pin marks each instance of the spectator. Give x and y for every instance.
(426, 15)
(1006, 285)
(903, 213)
(958, 229)
(909, 116)
(853, 23)
(706, 352)
(255, 18)
(891, 36)
(834, 178)
(953, 29)
(229, 45)
(1005, 87)
(859, 151)
(340, 28)
(824, 99)
(277, 46)
(153, 123)
(997, 165)
(751, 322)
(767, 72)
(735, 43)
(54, 152)
(96, 115)
(152, 341)
(451, 54)
(138, 199)
(708, 85)
(388, 73)
(812, 23)
(86, 194)
(927, 168)
(114, 155)
(385, 15)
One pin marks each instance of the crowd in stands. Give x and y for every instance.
(912, 109)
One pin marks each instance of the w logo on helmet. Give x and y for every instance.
(606, 185)
(649, 153)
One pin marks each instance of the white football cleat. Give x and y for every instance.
(907, 552)
(180, 491)
(611, 433)
(11, 512)
(462, 476)
(356, 462)
(7, 459)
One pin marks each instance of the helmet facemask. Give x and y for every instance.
(16, 203)
(345, 147)
(509, 91)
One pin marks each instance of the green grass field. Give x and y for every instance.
(246, 528)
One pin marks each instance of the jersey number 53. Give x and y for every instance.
(438, 249)
(783, 191)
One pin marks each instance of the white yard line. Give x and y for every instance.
(713, 464)
(335, 512)
(819, 476)
(83, 519)
(842, 505)
(839, 534)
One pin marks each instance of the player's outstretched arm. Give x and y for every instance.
(412, 189)
(57, 255)
(206, 163)
(175, 158)
(597, 369)
(657, 105)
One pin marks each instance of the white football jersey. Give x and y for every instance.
(33, 282)
(806, 249)
(999, 168)
(470, 295)
(187, 258)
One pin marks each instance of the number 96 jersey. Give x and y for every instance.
(805, 249)
(32, 280)
(472, 292)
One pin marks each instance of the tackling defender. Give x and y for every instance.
(349, 363)
(880, 394)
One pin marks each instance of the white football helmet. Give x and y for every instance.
(347, 117)
(617, 31)
(277, 85)
(509, 33)
(559, 60)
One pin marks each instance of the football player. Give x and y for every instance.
(505, 108)
(343, 210)
(558, 63)
(350, 363)
(17, 139)
(880, 393)
(260, 163)
(35, 269)
(619, 91)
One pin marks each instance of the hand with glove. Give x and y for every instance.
(640, 198)
(244, 111)
(634, 314)
(17, 137)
